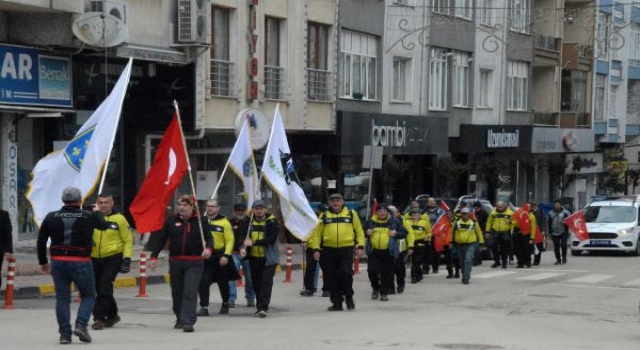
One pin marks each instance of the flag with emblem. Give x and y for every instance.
(279, 172)
(80, 162)
(578, 225)
(243, 164)
(169, 166)
(521, 217)
(441, 228)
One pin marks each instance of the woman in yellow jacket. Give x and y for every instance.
(467, 237)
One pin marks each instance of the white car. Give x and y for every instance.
(613, 225)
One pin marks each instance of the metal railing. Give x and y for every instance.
(547, 42)
(273, 83)
(319, 85)
(220, 76)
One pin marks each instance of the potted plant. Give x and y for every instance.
(358, 95)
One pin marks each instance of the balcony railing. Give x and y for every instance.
(273, 83)
(221, 78)
(547, 42)
(634, 62)
(318, 85)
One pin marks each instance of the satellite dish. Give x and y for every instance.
(96, 29)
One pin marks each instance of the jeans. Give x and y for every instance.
(81, 274)
(249, 293)
(185, 278)
(465, 258)
(105, 271)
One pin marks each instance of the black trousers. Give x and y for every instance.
(537, 257)
(337, 268)
(419, 256)
(400, 269)
(185, 277)
(522, 249)
(310, 271)
(502, 248)
(105, 271)
(212, 272)
(380, 270)
(560, 245)
(1, 260)
(262, 278)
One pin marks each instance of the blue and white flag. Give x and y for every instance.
(243, 163)
(80, 163)
(279, 172)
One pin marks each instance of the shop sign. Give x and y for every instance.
(555, 140)
(389, 135)
(583, 163)
(503, 139)
(28, 77)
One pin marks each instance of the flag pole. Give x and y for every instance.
(224, 171)
(115, 130)
(193, 188)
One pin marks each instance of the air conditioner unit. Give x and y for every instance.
(116, 9)
(193, 21)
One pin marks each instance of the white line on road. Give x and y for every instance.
(540, 276)
(632, 283)
(590, 278)
(493, 274)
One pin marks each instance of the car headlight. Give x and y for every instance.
(625, 231)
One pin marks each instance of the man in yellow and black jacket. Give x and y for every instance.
(262, 254)
(499, 231)
(467, 237)
(418, 241)
(111, 253)
(333, 242)
(218, 267)
(383, 233)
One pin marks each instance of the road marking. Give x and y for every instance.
(590, 278)
(540, 276)
(632, 283)
(493, 274)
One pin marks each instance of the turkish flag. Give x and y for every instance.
(538, 238)
(441, 231)
(169, 166)
(444, 206)
(578, 225)
(521, 216)
(374, 207)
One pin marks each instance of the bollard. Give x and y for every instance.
(239, 283)
(11, 274)
(289, 260)
(142, 291)
(356, 265)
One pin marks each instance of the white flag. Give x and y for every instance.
(279, 172)
(80, 162)
(242, 162)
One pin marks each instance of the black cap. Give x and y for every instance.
(477, 204)
(259, 203)
(239, 206)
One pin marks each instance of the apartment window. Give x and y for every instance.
(517, 86)
(438, 79)
(221, 68)
(573, 91)
(485, 89)
(358, 73)
(273, 72)
(318, 75)
(634, 43)
(402, 2)
(613, 98)
(463, 8)
(461, 79)
(401, 79)
(442, 6)
(600, 93)
(618, 11)
(520, 16)
(602, 33)
(485, 12)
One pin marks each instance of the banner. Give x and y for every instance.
(243, 163)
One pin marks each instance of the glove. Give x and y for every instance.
(126, 265)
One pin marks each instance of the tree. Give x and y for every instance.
(448, 174)
(393, 170)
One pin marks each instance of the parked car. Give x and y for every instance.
(470, 200)
(422, 199)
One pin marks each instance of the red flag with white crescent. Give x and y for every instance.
(441, 233)
(578, 225)
(521, 216)
(169, 166)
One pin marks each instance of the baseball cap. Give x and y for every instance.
(465, 211)
(239, 206)
(477, 204)
(392, 208)
(382, 206)
(259, 203)
(335, 196)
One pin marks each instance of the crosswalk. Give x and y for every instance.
(571, 277)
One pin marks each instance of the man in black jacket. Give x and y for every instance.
(240, 225)
(71, 232)
(6, 239)
(188, 247)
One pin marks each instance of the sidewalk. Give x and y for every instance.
(29, 282)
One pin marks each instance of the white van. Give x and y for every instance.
(613, 225)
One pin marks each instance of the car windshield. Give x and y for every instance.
(610, 214)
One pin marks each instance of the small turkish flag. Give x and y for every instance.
(521, 216)
(441, 231)
(169, 166)
(578, 225)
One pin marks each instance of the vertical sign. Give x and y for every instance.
(9, 158)
(252, 86)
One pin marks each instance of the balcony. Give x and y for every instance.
(575, 120)
(220, 77)
(274, 83)
(576, 56)
(319, 85)
(547, 119)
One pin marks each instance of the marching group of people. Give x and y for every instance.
(90, 248)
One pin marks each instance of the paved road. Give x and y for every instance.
(590, 303)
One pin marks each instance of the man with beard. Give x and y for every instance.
(499, 230)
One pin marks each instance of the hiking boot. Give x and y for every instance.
(187, 328)
(110, 323)
(335, 307)
(350, 304)
(465, 281)
(375, 294)
(400, 289)
(251, 303)
(450, 275)
(528, 265)
(204, 311)
(495, 264)
(83, 334)
(383, 297)
(558, 262)
(231, 304)
(98, 325)
(325, 294)
(564, 261)
(224, 309)
(65, 338)
(307, 293)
